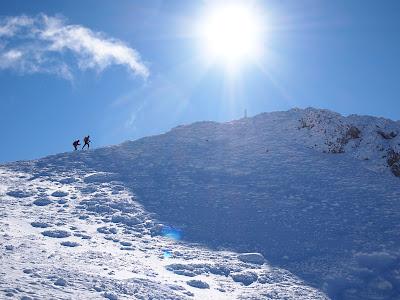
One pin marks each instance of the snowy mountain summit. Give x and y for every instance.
(371, 139)
(302, 204)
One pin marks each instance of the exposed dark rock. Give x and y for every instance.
(392, 157)
(393, 161)
(387, 136)
(396, 170)
(304, 124)
(353, 133)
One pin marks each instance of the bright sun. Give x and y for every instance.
(232, 34)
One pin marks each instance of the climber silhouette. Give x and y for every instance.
(76, 144)
(86, 141)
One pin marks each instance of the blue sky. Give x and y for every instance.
(341, 55)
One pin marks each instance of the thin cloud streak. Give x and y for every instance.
(45, 44)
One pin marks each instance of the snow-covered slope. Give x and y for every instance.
(165, 217)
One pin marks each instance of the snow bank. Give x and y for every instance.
(311, 190)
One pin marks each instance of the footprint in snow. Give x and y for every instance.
(107, 230)
(70, 244)
(100, 177)
(40, 224)
(60, 282)
(198, 284)
(126, 244)
(252, 258)
(110, 296)
(9, 247)
(42, 202)
(59, 194)
(59, 234)
(68, 180)
(245, 277)
(127, 248)
(83, 236)
(19, 194)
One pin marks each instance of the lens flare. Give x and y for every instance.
(167, 254)
(171, 233)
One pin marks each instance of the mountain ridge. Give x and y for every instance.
(294, 186)
(311, 119)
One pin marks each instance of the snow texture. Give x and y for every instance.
(252, 258)
(302, 204)
(198, 284)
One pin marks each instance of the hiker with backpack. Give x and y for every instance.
(76, 144)
(86, 141)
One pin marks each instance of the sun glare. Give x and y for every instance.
(232, 34)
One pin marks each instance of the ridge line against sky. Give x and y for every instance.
(126, 70)
(45, 44)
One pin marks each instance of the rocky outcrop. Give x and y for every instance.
(353, 133)
(393, 161)
(387, 136)
(331, 127)
(375, 140)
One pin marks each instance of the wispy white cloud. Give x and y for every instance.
(11, 25)
(45, 44)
